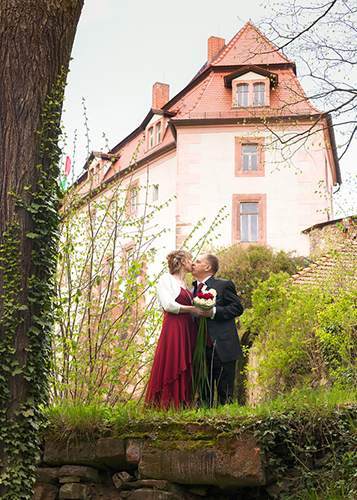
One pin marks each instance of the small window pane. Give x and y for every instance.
(245, 162)
(244, 228)
(158, 133)
(242, 95)
(151, 137)
(249, 208)
(253, 227)
(254, 162)
(250, 149)
(259, 94)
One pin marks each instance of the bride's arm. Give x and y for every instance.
(167, 290)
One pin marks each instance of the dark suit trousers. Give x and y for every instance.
(223, 374)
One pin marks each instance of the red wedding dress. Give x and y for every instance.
(171, 374)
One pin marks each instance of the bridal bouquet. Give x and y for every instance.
(205, 300)
(200, 383)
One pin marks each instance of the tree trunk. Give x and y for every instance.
(36, 38)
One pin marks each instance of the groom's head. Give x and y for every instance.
(205, 265)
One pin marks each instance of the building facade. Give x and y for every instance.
(219, 143)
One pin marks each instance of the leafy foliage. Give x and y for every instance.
(19, 431)
(245, 266)
(305, 334)
(108, 319)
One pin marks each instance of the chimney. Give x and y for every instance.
(214, 46)
(160, 95)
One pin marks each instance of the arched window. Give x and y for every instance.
(258, 94)
(242, 95)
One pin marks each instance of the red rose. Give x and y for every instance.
(200, 295)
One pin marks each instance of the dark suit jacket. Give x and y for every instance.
(222, 329)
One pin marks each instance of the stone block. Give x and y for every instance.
(122, 478)
(148, 494)
(69, 479)
(84, 473)
(134, 449)
(73, 451)
(158, 484)
(125, 494)
(45, 492)
(75, 491)
(48, 475)
(111, 452)
(232, 463)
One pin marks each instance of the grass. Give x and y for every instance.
(76, 417)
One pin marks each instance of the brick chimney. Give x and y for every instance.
(214, 46)
(160, 95)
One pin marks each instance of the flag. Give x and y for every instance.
(67, 167)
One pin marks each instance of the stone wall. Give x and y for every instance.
(192, 462)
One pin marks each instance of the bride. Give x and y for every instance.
(171, 374)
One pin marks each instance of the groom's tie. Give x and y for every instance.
(198, 289)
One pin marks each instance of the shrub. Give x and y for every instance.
(302, 334)
(245, 266)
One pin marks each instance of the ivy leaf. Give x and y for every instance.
(17, 371)
(34, 330)
(32, 235)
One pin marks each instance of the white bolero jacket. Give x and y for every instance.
(167, 291)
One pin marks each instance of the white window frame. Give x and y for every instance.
(250, 155)
(259, 94)
(158, 133)
(151, 137)
(242, 96)
(249, 216)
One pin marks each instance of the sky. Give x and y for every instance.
(123, 47)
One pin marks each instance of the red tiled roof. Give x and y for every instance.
(210, 98)
(207, 97)
(249, 46)
(320, 271)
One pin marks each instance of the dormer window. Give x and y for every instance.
(251, 86)
(242, 95)
(151, 137)
(155, 132)
(158, 133)
(258, 94)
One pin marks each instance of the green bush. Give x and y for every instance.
(301, 335)
(245, 266)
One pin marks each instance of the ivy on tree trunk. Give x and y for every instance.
(36, 38)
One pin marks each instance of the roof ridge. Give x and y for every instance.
(237, 36)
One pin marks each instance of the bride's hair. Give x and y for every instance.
(175, 258)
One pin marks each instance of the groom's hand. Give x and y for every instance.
(206, 312)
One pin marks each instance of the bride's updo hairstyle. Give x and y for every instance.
(175, 258)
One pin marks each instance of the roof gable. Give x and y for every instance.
(249, 45)
(273, 77)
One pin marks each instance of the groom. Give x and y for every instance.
(223, 346)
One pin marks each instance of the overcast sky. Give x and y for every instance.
(123, 47)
